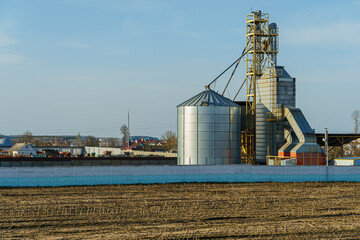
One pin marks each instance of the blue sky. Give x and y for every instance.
(69, 66)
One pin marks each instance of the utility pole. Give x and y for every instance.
(128, 128)
(327, 146)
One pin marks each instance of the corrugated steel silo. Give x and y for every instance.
(274, 91)
(208, 130)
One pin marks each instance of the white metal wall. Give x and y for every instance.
(208, 135)
(97, 175)
(99, 151)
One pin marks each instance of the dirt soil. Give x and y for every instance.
(183, 211)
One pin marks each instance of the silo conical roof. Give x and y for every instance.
(5, 142)
(209, 98)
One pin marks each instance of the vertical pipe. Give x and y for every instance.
(326, 147)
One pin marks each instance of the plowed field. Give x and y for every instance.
(183, 211)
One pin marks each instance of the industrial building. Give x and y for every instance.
(22, 149)
(266, 128)
(347, 161)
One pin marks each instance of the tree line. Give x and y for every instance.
(168, 140)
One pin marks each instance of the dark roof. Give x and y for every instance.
(281, 72)
(6, 142)
(336, 139)
(209, 98)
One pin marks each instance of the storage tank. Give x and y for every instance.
(274, 91)
(208, 130)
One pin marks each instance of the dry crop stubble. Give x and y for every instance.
(234, 210)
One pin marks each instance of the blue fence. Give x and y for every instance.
(102, 175)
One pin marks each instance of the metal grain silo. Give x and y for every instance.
(208, 130)
(274, 91)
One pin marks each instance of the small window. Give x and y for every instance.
(204, 104)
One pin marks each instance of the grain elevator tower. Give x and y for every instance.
(261, 48)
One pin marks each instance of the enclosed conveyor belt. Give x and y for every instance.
(291, 142)
(307, 151)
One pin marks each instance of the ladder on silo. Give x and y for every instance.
(270, 116)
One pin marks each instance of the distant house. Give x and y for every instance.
(5, 143)
(22, 149)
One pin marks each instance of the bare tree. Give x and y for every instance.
(125, 134)
(37, 142)
(112, 142)
(78, 141)
(91, 141)
(355, 116)
(56, 141)
(27, 137)
(170, 140)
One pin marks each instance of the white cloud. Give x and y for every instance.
(7, 27)
(330, 35)
(11, 59)
(6, 57)
(6, 41)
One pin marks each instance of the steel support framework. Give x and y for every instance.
(261, 53)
